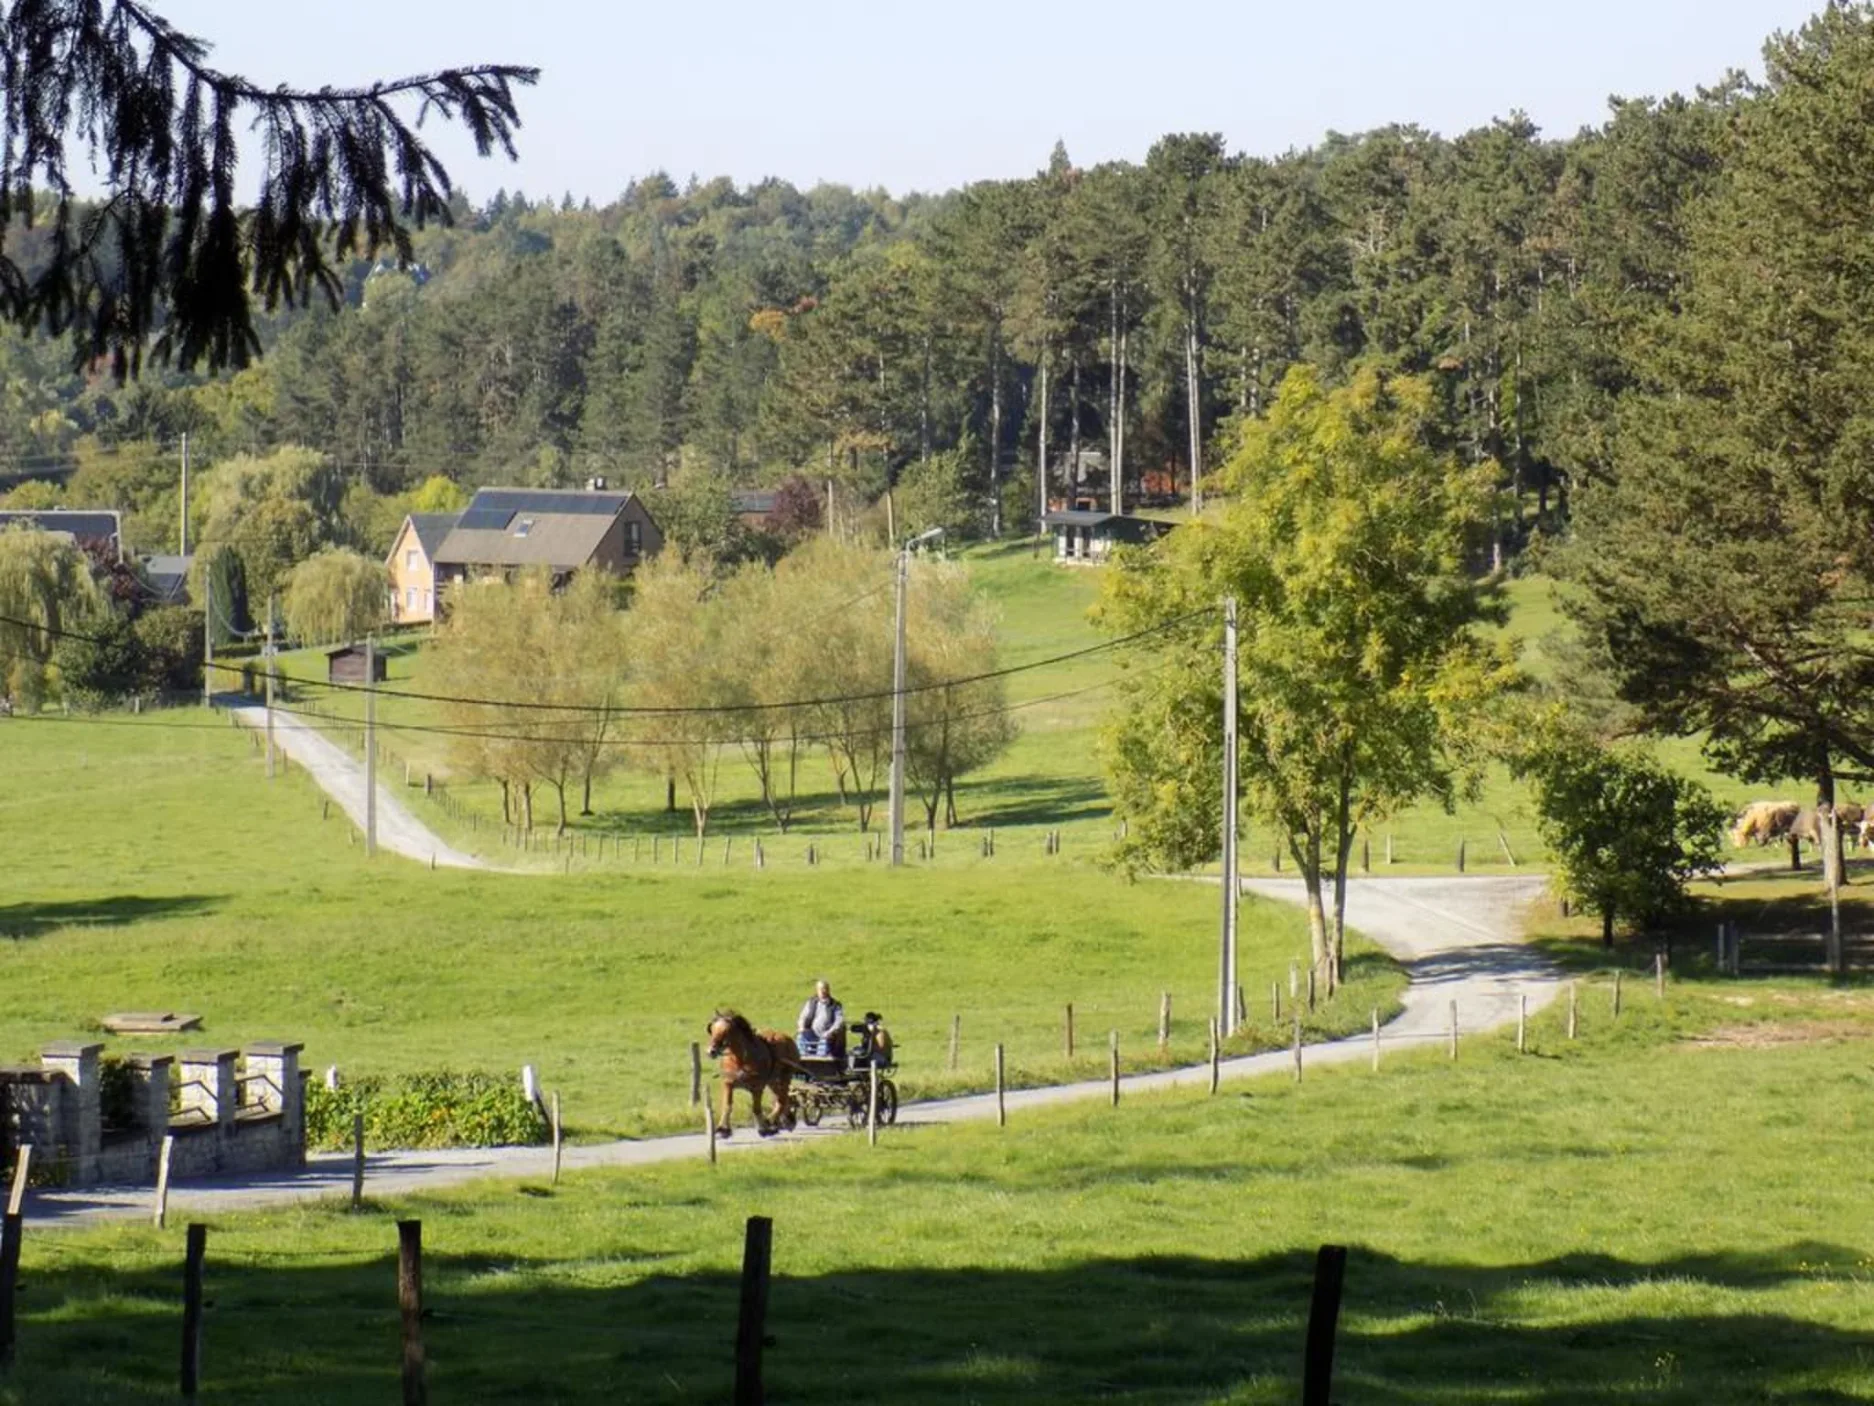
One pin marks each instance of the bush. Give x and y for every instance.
(440, 1109)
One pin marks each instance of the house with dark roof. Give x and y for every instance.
(412, 566)
(79, 526)
(505, 530)
(167, 577)
(1084, 537)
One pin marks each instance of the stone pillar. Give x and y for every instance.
(209, 1094)
(150, 1073)
(274, 1084)
(81, 1126)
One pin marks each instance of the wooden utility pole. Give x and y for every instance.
(269, 668)
(1226, 963)
(370, 745)
(1041, 454)
(208, 639)
(897, 715)
(182, 534)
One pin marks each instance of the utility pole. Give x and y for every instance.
(897, 698)
(183, 535)
(208, 639)
(269, 667)
(370, 746)
(897, 715)
(1226, 973)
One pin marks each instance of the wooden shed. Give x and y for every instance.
(347, 665)
(1081, 536)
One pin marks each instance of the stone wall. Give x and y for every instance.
(237, 1112)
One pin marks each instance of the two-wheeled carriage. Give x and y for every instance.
(834, 1078)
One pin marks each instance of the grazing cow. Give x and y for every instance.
(1765, 822)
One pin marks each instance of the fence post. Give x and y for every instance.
(22, 1165)
(197, 1247)
(1002, 1112)
(1366, 855)
(1311, 989)
(1659, 975)
(1460, 856)
(696, 1073)
(1522, 1022)
(1112, 1042)
(1215, 1061)
(1164, 1021)
(10, 1230)
(1376, 1039)
(1571, 1010)
(1454, 1030)
(1616, 994)
(558, 1137)
(1317, 1368)
(1070, 1029)
(871, 1105)
(357, 1161)
(1297, 1047)
(1294, 982)
(1275, 1003)
(751, 1320)
(1389, 847)
(709, 1133)
(410, 1310)
(956, 1038)
(162, 1181)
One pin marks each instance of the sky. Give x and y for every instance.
(929, 97)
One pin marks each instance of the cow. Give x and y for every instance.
(1765, 822)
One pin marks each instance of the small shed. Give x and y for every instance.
(347, 665)
(1083, 536)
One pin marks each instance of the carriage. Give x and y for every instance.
(828, 1083)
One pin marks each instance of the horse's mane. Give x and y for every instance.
(737, 1021)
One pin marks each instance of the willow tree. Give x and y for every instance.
(168, 260)
(1344, 540)
(46, 590)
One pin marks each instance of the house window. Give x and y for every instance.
(523, 527)
(409, 597)
(410, 559)
(634, 538)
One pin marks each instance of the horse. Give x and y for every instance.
(756, 1062)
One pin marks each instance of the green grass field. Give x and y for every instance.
(150, 866)
(1669, 1209)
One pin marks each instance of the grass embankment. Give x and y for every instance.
(151, 867)
(1655, 1212)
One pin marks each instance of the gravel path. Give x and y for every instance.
(1454, 935)
(342, 777)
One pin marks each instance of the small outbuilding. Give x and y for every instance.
(1082, 536)
(347, 665)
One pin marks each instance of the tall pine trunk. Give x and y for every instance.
(1114, 393)
(995, 432)
(1041, 452)
(1194, 411)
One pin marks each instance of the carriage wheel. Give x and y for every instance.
(855, 1105)
(887, 1101)
(810, 1111)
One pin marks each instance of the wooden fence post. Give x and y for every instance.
(357, 1161)
(162, 1181)
(1002, 1111)
(1275, 1003)
(956, 1038)
(709, 1133)
(1616, 994)
(1311, 989)
(1454, 1030)
(1571, 1010)
(696, 1073)
(1389, 847)
(197, 1247)
(871, 1105)
(1294, 982)
(1297, 1047)
(1376, 1039)
(1522, 1023)
(751, 1321)
(1164, 1021)
(1366, 855)
(1317, 1368)
(1070, 1029)
(1460, 856)
(558, 1137)
(1216, 1070)
(11, 1228)
(1112, 1043)
(22, 1167)
(1659, 975)
(410, 1310)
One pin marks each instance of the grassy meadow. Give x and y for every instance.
(151, 866)
(1668, 1209)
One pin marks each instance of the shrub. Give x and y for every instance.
(427, 1110)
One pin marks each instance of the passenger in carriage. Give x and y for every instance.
(824, 1019)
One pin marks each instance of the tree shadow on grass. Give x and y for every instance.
(1032, 800)
(301, 1326)
(35, 918)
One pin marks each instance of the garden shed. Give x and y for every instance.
(346, 665)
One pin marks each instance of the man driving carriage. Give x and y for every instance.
(823, 1021)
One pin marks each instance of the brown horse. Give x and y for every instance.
(756, 1062)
